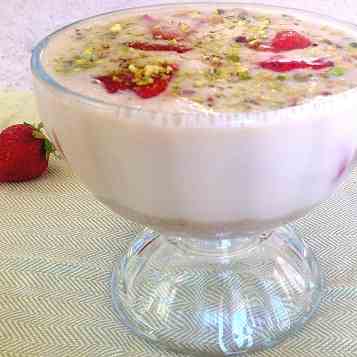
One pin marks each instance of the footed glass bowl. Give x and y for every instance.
(216, 271)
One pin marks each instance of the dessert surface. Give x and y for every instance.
(204, 59)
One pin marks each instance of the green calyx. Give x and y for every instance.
(38, 133)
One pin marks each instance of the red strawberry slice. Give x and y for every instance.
(157, 87)
(115, 83)
(145, 46)
(152, 90)
(125, 81)
(282, 64)
(289, 40)
(283, 41)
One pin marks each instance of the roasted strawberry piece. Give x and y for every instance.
(321, 63)
(282, 64)
(114, 83)
(134, 77)
(158, 86)
(145, 46)
(289, 40)
(152, 90)
(283, 41)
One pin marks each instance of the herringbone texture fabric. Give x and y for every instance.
(57, 247)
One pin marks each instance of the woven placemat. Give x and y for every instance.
(58, 245)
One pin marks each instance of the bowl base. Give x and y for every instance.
(219, 297)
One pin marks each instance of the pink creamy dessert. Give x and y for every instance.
(217, 120)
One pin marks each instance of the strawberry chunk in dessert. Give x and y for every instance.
(146, 82)
(152, 90)
(283, 64)
(145, 46)
(114, 83)
(289, 40)
(283, 41)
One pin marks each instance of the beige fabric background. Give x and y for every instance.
(58, 244)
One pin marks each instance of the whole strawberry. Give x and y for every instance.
(24, 152)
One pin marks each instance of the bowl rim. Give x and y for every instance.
(236, 118)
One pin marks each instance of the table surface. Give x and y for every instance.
(58, 243)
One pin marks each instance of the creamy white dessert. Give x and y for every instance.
(204, 121)
(212, 59)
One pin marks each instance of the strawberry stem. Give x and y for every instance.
(38, 133)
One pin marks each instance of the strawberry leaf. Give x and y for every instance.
(38, 133)
(49, 148)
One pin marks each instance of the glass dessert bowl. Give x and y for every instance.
(216, 271)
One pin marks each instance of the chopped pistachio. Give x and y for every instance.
(262, 34)
(244, 75)
(199, 83)
(266, 22)
(242, 72)
(168, 70)
(149, 70)
(184, 27)
(132, 68)
(198, 99)
(234, 58)
(219, 12)
(233, 53)
(176, 89)
(88, 53)
(116, 28)
(216, 60)
(81, 61)
(282, 77)
(254, 42)
(123, 50)
(302, 77)
(275, 85)
(337, 71)
(85, 62)
(195, 14)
